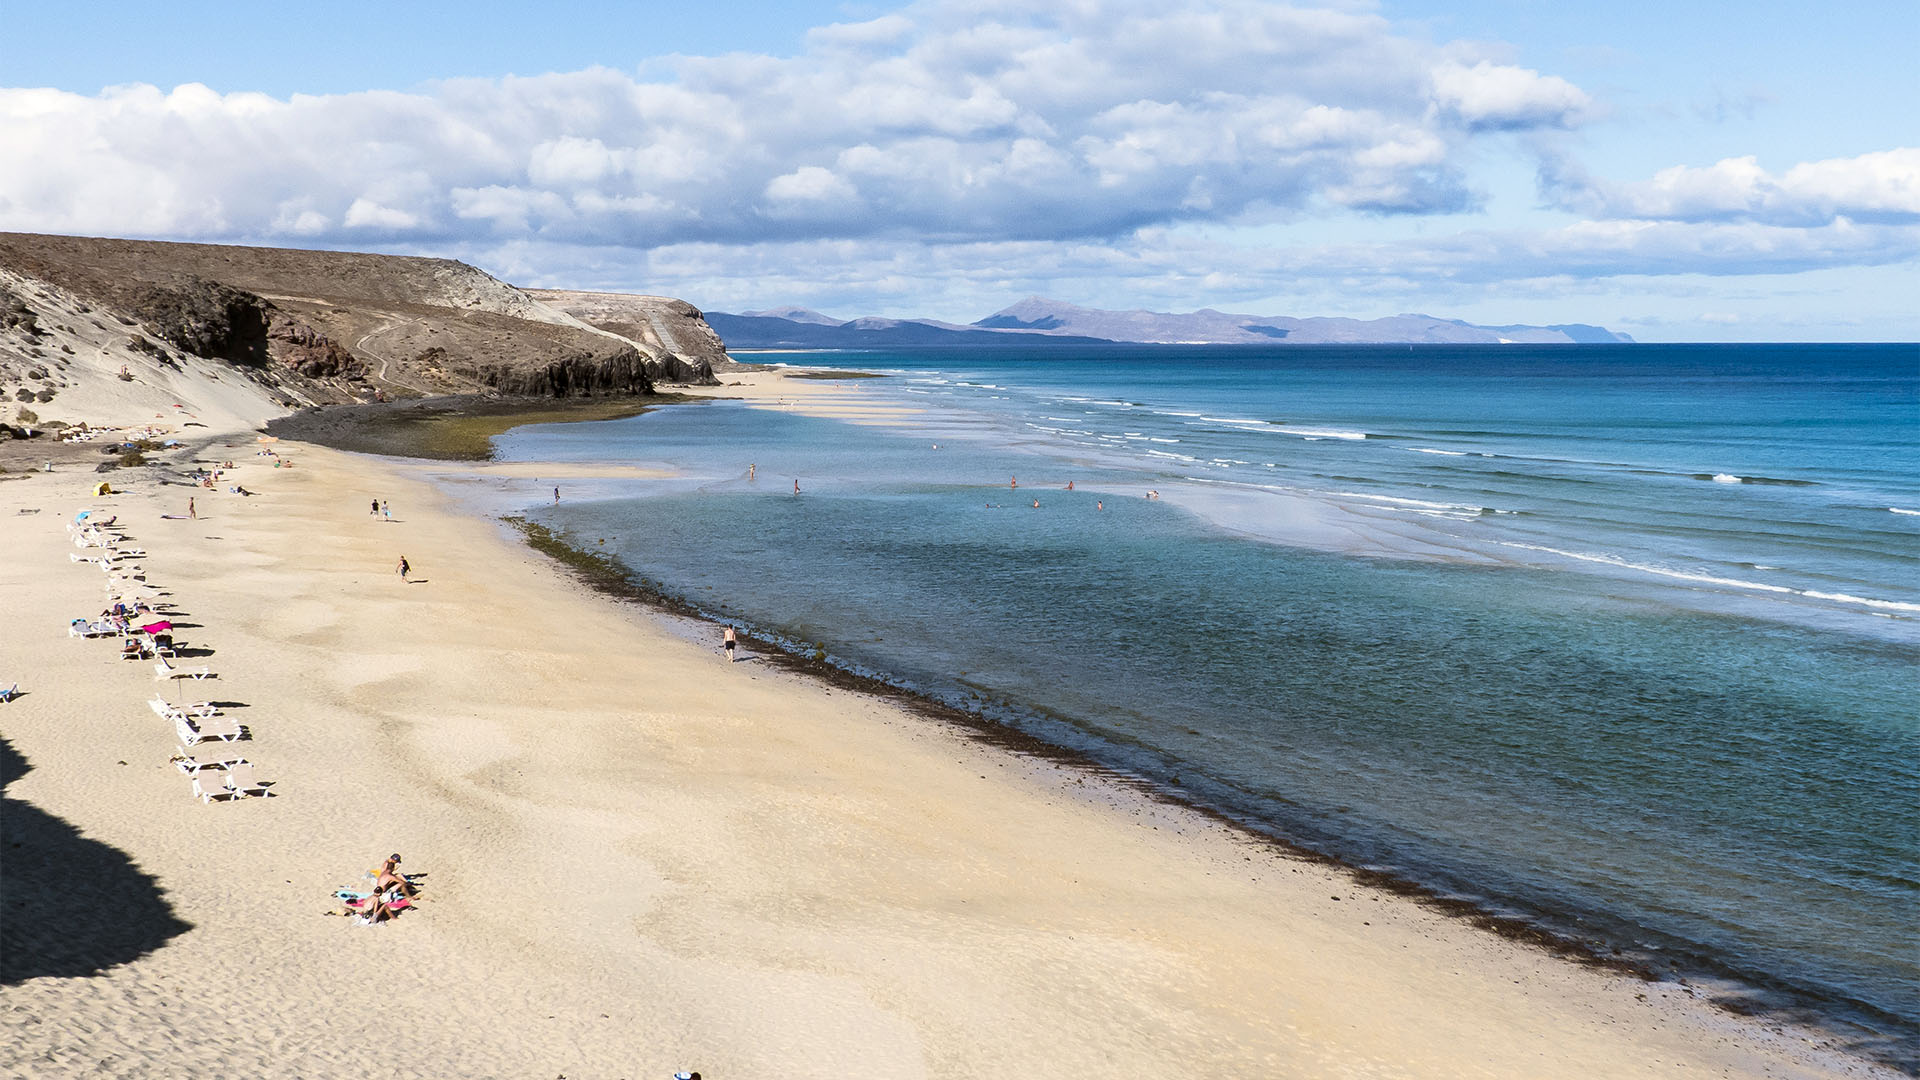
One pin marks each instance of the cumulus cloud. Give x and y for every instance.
(1883, 186)
(953, 148)
(1180, 268)
(951, 120)
(1490, 96)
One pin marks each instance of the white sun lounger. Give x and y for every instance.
(192, 732)
(196, 709)
(210, 785)
(164, 670)
(240, 780)
(190, 765)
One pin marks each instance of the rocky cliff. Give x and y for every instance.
(672, 330)
(315, 327)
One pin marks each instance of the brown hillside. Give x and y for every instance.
(331, 326)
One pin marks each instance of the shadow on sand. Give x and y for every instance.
(69, 906)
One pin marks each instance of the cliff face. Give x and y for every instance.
(318, 327)
(672, 330)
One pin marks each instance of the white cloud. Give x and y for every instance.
(951, 148)
(1882, 187)
(367, 214)
(951, 120)
(1491, 96)
(809, 183)
(570, 160)
(1182, 268)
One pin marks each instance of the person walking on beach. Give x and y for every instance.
(728, 640)
(192, 513)
(374, 508)
(386, 512)
(404, 568)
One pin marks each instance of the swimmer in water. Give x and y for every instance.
(1069, 485)
(1013, 483)
(1099, 505)
(1036, 504)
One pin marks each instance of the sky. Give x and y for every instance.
(1678, 172)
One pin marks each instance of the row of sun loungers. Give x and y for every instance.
(194, 723)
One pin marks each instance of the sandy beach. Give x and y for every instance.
(639, 858)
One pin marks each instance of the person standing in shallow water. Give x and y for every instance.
(556, 496)
(727, 641)
(796, 487)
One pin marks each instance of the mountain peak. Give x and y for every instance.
(796, 314)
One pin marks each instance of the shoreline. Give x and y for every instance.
(642, 858)
(1736, 993)
(1733, 992)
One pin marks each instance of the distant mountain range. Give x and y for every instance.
(1039, 321)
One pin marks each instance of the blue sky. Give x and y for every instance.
(1680, 172)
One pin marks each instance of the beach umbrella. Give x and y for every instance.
(82, 515)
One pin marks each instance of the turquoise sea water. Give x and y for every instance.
(1620, 639)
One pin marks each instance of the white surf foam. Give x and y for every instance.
(1715, 579)
(1323, 433)
(1904, 510)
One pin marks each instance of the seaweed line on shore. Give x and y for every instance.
(610, 576)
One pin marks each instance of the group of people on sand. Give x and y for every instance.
(392, 893)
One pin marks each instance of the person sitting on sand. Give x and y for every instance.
(391, 877)
(375, 909)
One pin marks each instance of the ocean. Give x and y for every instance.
(1623, 641)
